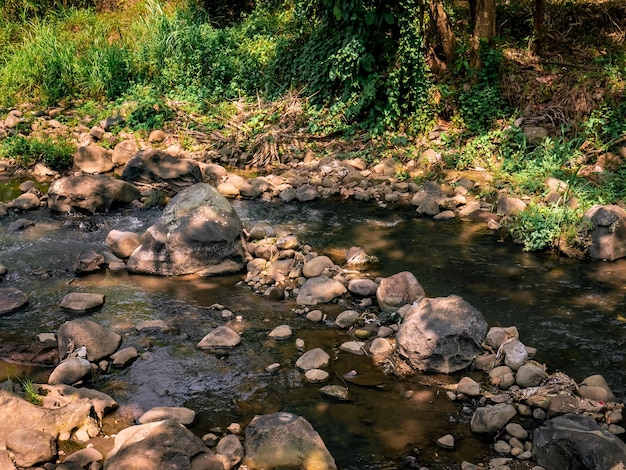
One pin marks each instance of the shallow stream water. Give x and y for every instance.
(571, 311)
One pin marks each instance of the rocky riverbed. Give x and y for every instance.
(533, 414)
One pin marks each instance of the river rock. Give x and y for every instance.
(596, 388)
(347, 318)
(363, 287)
(306, 193)
(156, 166)
(198, 233)
(517, 431)
(93, 159)
(316, 376)
(70, 371)
(230, 451)
(19, 225)
(468, 386)
(354, 347)
(31, 446)
(284, 440)
(576, 441)
(82, 301)
(17, 414)
(316, 266)
(319, 290)
(99, 341)
(608, 232)
(398, 290)
(11, 299)
(530, 374)
(90, 193)
(26, 202)
(84, 457)
(313, 359)
(498, 335)
(220, 337)
(380, 347)
(515, 354)
(181, 415)
(123, 152)
(336, 392)
(502, 376)
(125, 356)
(492, 418)
(154, 446)
(88, 262)
(62, 395)
(281, 332)
(122, 244)
(442, 335)
(510, 206)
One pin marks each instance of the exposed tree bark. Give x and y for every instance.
(484, 29)
(538, 26)
(444, 29)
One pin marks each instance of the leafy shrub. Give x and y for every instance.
(148, 110)
(57, 154)
(539, 227)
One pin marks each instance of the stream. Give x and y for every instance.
(571, 311)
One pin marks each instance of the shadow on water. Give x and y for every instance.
(571, 311)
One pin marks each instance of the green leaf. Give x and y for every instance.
(337, 10)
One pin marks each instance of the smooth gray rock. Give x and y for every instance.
(31, 446)
(181, 415)
(90, 193)
(156, 166)
(313, 359)
(70, 371)
(220, 337)
(99, 341)
(319, 290)
(398, 290)
(154, 446)
(492, 418)
(82, 301)
(284, 440)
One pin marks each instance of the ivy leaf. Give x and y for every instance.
(337, 10)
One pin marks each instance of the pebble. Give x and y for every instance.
(516, 430)
(502, 447)
(446, 441)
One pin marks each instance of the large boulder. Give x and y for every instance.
(157, 166)
(284, 440)
(576, 441)
(74, 417)
(155, 446)
(442, 335)
(31, 446)
(198, 233)
(318, 290)
(90, 193)
(398, 290)
(99, 341)
(608, 232)
(93, 159)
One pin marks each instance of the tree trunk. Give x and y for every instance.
(484, 29)
(538, 26)
(444, 29)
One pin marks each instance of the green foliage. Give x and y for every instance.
(147, 110)
(481, 102)
(57, 154)
(607, 123)
(540, 227)
(31, 392)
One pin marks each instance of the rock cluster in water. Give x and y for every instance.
(532, 414)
